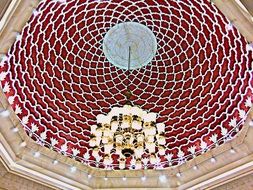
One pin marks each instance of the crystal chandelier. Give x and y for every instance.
(128, 132)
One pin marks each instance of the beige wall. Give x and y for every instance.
(3, 6)
(9, 181)
(243, 183)
(249, 5)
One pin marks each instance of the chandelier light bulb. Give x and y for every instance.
(118, 149)
(140, 138)
(160, 128)
(133, 163)
(119, 138)
(249, 47)
(195, 167)
(138, 164)
(139, 151)
(213, 159)
(162, 178)
(105, 178)
(150, 138)
(36, 154)
(107, 160)
(136, 125)
(152, 131)
(161, 140)
(61, 1)
(150, 117)
(108, 147)
(124, 178)
(141, 112)
(55, 162)
(135, 110)
(114, 126)
(143, 178)
(22, 144)
(98, 141)
(150, 146)
(89, 176)
(126, 110)
(161, 150)
(116, 111)
(251, 123)
(122, 163)
(15, 129)
(179, 174)
(4, 113)
(98, 132)
(102, 119)
(106, 132)
(93, 129)
(232, 151)
(92, 142)
(125, 125)
(95, 152)
(73, 169)
(18, 37)
(153, 159)
(229, 26)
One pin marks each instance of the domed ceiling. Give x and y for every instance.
(57, 79)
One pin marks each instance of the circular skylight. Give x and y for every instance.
(133, 37)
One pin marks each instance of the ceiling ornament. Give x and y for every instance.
(129, 34)
(57, 78)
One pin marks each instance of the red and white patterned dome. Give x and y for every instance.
(57, 78)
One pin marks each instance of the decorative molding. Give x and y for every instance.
(18, 163)
(242, 20)
(12, 5)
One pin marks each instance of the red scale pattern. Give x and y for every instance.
(198, 81)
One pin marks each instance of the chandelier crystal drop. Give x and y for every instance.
(128, 131)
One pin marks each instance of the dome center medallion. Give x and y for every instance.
(129, 34)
